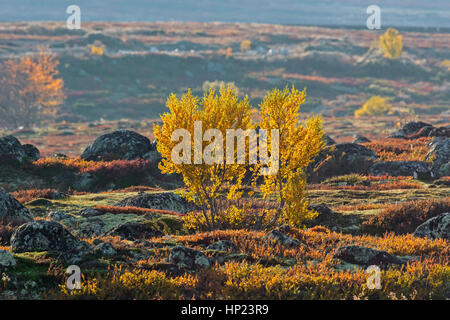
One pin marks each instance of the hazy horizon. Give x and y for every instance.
(406, 13)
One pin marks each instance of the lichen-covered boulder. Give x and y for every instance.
(435, 228)
(416, 169)
(12, 211)
(119, 145)
(161, 201)
(341, 159)
(7, 261)
(11, 148)
(187, 258)
(49, 236)
(439, 155)
(367, 256)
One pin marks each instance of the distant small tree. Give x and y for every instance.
(246, 45)
(30, 90)
(391, 43)
(375, 106)
(97, 50)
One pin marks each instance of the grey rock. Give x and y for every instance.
(161, 201)
(31, 152)
(7, 261)
(367, 256)
(360, 139)
(341, 159)
(187, 258)
(280, 238)
(134, 231)
(10, 147)
(435, 228)
(57, 216)
(49, 236)
(439, 155)
(413, 127)
(89, 212)
(105, 249)
(222, 245)
(118, 145)
(416, 169)
(12, 211)
(328, 140)
(325, 217)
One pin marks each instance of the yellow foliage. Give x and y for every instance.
(30, 90)
(298, 144)
(97, 50)
(446, 64)
(391, 43)
(246, 45)
(375, 106)
(220, 111)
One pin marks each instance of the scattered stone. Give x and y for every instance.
(439, 155)
(281, 238)
(360, 139)
(413, 127)
(188, 258)
(367, 256)
(162, 201)
(328, 140)
(105, 249)
(118, 145)
(134, 231)
(326, 216)
(415, 130)
(89, 212)
(31, 152)
(49, 236)
(12, 211)
(57, 216)
(7, 261)
(435, 228)
(10, 147)
(341, 159)
(416, 169)
(222, 245)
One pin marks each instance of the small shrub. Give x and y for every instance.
(399, 149)
(406, 217)
(33, 194)
(391, 43)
